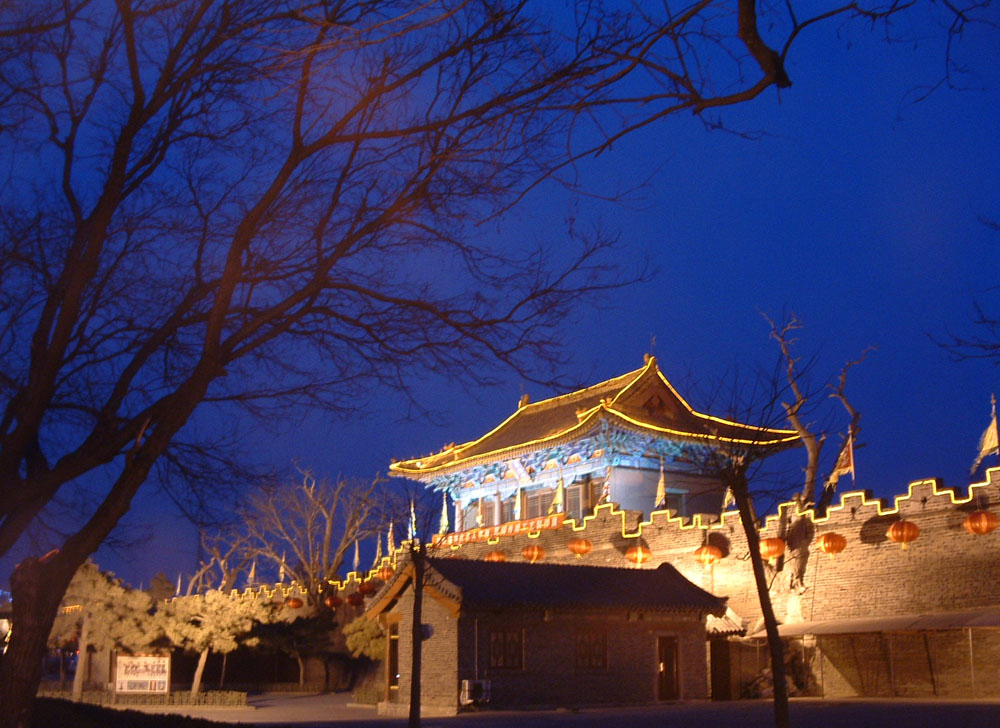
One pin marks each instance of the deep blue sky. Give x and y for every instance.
(857, 209)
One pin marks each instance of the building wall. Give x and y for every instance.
(945, 569)
(439, 658)
(550, 675)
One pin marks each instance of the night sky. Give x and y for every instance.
(857, 209)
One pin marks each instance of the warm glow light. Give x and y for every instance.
(772, 548)
(496, 556)
(579, 546)
(981, 522)
(294, 603)
(902, 532)
(638, 555)
(831, 543)
(333, 601)
(533, 553)
(386, 573)
(708, 555)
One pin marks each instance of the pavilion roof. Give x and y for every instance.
(471, 584)
(641, 400)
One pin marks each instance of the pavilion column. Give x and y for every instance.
(497, 510)
(459, 516)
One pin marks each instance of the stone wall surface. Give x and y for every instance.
(944, 569)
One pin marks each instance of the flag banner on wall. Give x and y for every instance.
(989, 443)
(845, 462)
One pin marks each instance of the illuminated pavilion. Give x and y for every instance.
(632, 440)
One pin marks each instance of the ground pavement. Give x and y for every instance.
(336, 711)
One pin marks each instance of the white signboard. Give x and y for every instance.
(142, 674)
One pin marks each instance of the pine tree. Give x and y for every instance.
(99, 611)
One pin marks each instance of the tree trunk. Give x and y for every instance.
(742, 495)
(417, 633)
(222, 673)
(302, 670)
(37, 587)
(196, 682)
(82, 660)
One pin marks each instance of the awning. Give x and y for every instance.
(974, 618)
(725, 626)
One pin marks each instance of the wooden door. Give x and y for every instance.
(667, 686)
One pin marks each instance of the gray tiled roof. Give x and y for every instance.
(491, 584)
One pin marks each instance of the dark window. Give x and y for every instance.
(538, 502)
(507, 649)
(573, 504)
(508, 510)
(592, 651)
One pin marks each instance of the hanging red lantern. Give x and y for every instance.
(902, 532)
(638, 555)
(708, 555)
(496, 556)
(294, 603)
(366, 588)
(831, 543)
(333, 601)
(579, 546)
(981, 522)
(386, 573)
(772, 548)
(533, 553)
(356, 599)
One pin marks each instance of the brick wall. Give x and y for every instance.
(550, 677)
(945, 569)
(439, 663)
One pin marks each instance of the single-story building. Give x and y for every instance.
(522, 634)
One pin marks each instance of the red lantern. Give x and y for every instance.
(831, 543)
(708, 555)
(772, 548)
(638, 555)
(386, 573)
(533, 553)
(356, 599)
(902, 532)
(366, 588)
(294, 603)
(333, 601)
(579, 546)
(981, 522)
(496, 556)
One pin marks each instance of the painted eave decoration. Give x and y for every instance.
(641, 400)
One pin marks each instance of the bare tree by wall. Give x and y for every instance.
(736, 463)
(307, 528)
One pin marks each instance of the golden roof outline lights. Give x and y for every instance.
(618, 386)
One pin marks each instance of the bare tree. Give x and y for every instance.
(306, 528)
(248, 203)
(212, 206)
(783, 334)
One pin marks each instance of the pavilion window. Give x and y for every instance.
(574, 501)
(538, 502)
(507, 649)
(508, 510)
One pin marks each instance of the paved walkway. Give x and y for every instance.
(336, 711)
